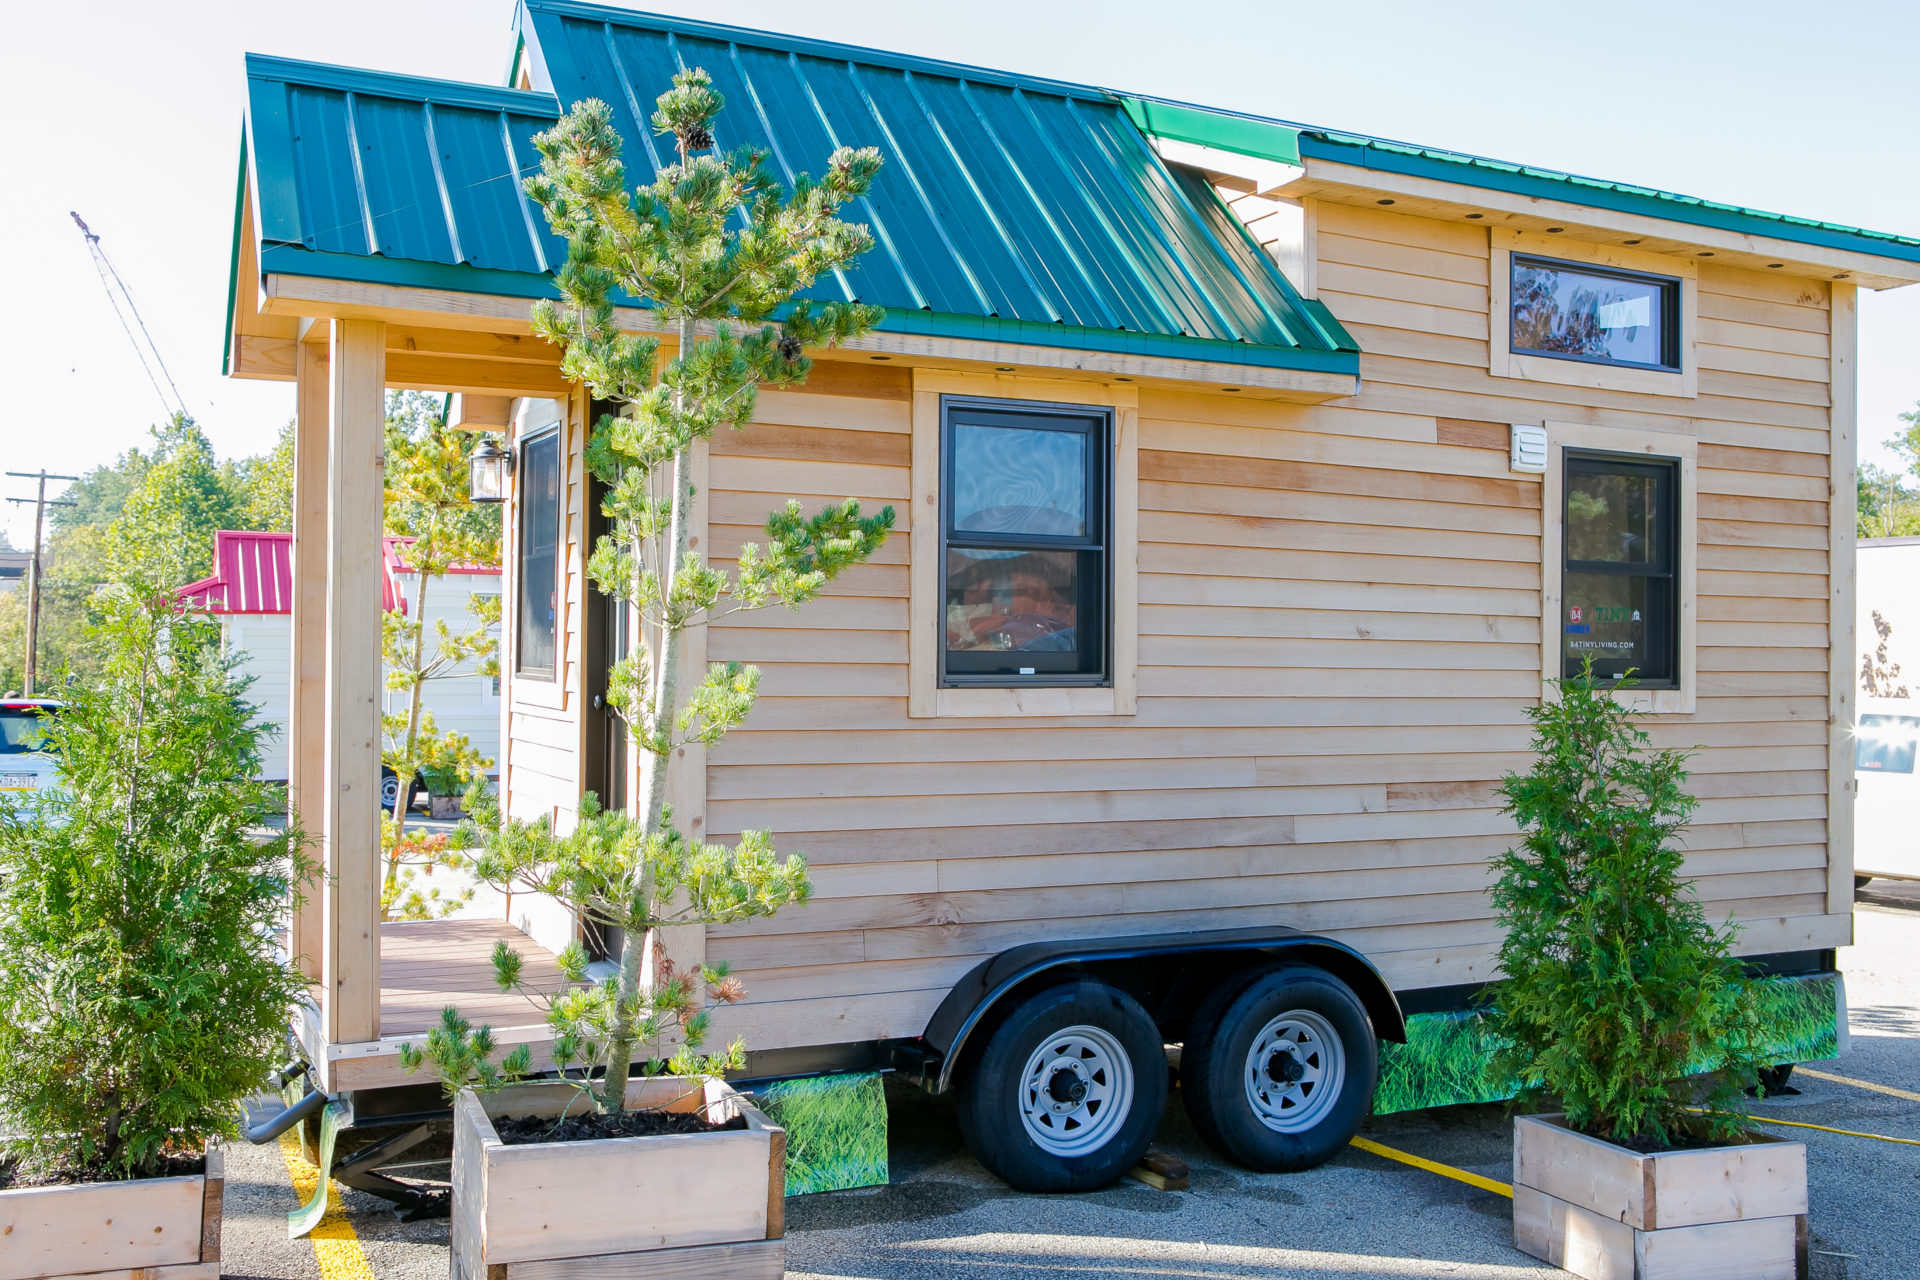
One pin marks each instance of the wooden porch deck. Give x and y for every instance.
(429, 964)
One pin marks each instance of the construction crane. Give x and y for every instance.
(121, 300)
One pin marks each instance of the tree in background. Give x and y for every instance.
(715, 246)
(164, 532)
(426, 500)
(1889, 506)
(263, 486)
(150, 512)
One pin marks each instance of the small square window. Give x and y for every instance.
(1024, 563)
(1571, 311)
(1621, 589)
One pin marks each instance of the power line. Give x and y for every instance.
(143, 346)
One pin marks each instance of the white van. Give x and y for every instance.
(1886, 816)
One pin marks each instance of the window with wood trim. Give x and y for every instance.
(1620, 589)
(1025, 564)
(537, 572)
(1600, 315)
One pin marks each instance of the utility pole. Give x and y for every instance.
(40, 505)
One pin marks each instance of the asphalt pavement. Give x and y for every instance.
(945, 1218)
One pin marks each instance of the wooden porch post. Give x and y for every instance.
(306, 709)
(357, 358)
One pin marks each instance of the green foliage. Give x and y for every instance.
(150, 514)
(462, 1056)
(1888, 507)
(263, 486)
(717, 248)
(426, 500)
(164, 532)
(141, 1000)
(617, 874)
(1617, 988)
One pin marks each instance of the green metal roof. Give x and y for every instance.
(1292, 143)
(1009, 209)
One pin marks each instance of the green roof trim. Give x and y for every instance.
(293, 260)
(1223, 131)
(1551, 184)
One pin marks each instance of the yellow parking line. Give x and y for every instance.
(335, 1246)
(1887, 1089)
(1851, 1133)
(1434, 1166)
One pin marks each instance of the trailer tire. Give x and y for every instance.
(1068, 1090)
(1278, 1069)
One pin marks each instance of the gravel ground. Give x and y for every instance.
(946, 1218)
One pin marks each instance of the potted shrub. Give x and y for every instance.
(142, 997)
(673, 1160)
(1623, 1004)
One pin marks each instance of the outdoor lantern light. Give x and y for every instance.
(488, 469)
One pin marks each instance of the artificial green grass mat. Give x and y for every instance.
(1446, 1057)
(836, 1130)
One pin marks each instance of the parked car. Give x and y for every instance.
(1886, 741)
(24, 767)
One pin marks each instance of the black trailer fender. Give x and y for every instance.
(1167, 972)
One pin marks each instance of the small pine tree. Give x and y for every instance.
(717, 248)
(141, 997)
(1616, 987)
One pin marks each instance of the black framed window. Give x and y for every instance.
(1572, 311)
(1621, 583)
(537, 585)
(1025, 527)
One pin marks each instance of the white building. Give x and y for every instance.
(251, 592)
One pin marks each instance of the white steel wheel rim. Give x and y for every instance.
(1076, 1091)
(1294, 1070)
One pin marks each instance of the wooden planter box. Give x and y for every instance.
(709, 1206)
(157, 1228)
(1607, 1213)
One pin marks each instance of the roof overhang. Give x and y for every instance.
(500, 315)
(1433, 195)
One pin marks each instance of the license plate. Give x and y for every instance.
(18, 782)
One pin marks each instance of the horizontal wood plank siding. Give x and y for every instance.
(1339, 638)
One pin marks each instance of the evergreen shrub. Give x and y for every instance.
(142, 994)
(1620, 1002)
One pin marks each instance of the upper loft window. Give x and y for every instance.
(1622, 568)
(1572, 311)
(536, 647)
(1025, 528)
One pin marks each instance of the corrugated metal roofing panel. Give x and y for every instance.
(1001, 197)
(396, 167)
(1287, 142)
(1007, 208)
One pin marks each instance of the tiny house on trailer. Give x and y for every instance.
(1251, 478)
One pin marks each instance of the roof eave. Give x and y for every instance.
(301, 282)
(1442, 188)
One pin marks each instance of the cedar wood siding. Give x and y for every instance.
(1339, 634)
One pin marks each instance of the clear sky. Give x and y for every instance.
(131, 114)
